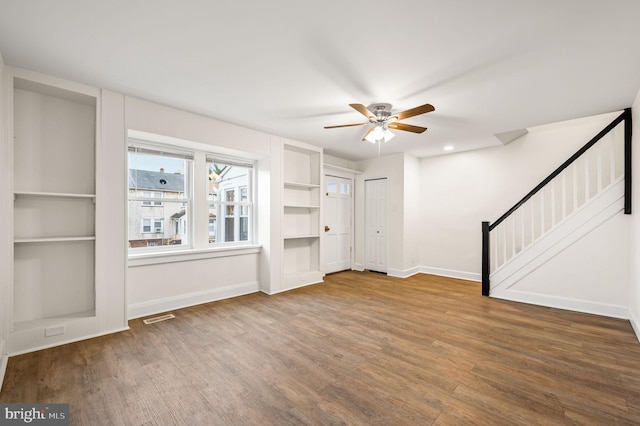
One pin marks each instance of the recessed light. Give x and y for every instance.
(448, 148)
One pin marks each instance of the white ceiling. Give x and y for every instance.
(290, 67)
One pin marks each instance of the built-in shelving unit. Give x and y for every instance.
(53, 291)
(302, 167)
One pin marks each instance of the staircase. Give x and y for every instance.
(586, 191)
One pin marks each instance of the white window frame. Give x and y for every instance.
(149, 198)
(238, 205)
(198, 206)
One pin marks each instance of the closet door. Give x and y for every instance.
(376, 225)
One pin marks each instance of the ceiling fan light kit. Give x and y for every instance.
(380, 116)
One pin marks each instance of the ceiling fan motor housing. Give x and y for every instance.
(381, 110)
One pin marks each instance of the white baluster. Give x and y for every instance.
(575, 184)
(586, 178)
(598, 167)
(522, 228)
(533, 220)
(504, 241)
(513, 234)
(612, 157)
(564, 194)
(541, 212)
(552, 184)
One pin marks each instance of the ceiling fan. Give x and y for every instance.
(382, 119)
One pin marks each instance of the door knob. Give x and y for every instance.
(326, 228)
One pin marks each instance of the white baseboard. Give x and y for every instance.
(271, 293)
(4, 359)
(570, 304)
(635, 324)
(157, 306)
(64, 342)
(403, 273)
(358, 267)
(451, 273)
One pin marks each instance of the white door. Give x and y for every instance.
(337, 223)
(375, 216)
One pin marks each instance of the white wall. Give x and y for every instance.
(592, 275)
(339, 162)
(412, 216)
(634, 293)
(459, 191)
(154, 288)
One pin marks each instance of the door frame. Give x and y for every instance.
(364, 233)
(342, 173)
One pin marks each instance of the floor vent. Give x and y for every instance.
(158, 319)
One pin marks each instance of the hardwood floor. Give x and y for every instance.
(361, 348)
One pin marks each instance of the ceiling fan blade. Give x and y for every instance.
(406, 127)
(364, 111)
(345, 125)
(422, 109)
(364, 138)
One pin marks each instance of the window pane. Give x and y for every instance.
(157, 176)
(344, 188)
(229, 183)
(151, 226)
(244, 229)
(332, 187)
(229, 223)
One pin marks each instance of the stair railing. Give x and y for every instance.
(599, 164)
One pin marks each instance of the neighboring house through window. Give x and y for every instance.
(161, 202)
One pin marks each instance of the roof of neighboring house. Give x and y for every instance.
(157, 181)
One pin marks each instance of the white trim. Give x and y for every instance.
(358, 267)
(571, 304)
(341, 169)
(157, 306)
(64, 342)
(403, 273)
(4, 359)
(580, 223)
(451, 273)
(635, 324)
(154, 258)
(293, 288)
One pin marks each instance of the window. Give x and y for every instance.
(154, 174)
(229, 195)
(169, 211)
(147, 194)
(155, 225)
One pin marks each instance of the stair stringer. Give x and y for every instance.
(593, 214)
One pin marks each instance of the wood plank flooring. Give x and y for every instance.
(359, 349)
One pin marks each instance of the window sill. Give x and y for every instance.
(141, 259)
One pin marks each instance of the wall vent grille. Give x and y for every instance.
(158, 319)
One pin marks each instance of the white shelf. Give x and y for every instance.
(53, 239)
(301, 185)
(54, 135)
(46, 322)
(290, 206)
(52, 194)
(295, 237)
